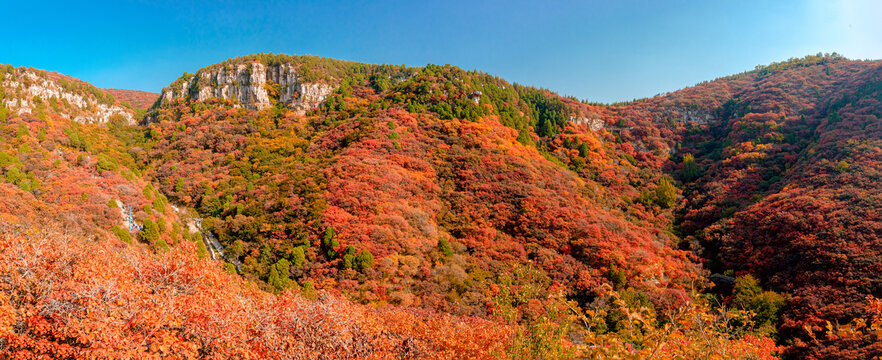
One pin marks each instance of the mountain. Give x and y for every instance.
(362, 176)
(251, 83)
(789, 194)
(137, 99)
(31, 91)
(78, 282)
(434, 212)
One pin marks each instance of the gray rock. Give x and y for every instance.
(247, 84)
(25, 85)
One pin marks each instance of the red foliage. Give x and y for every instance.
(138, 99)
(57, 300)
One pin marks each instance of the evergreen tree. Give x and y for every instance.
(201, 251)
(329, 235)
(749, 295)
(364, 260)
(122, 234)
(149, 233)
(161, 244)
(308, 290)
(279, 275)
(584, 150)
(444, 247)
(298, 256)
(349, 257)
(617, 277)
(330, 242)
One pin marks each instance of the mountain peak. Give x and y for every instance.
(29, 90)
(260, 81)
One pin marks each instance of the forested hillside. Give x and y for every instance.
(137, 99)
(786, 187)
(413, 207)
(431, 212)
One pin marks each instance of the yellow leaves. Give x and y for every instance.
(875, 329)
(693, 331)
(857, 328)
(808, 329)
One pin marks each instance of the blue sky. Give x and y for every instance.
(597, 50)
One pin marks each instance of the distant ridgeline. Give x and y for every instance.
(303, 82)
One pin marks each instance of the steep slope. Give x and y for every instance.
(262, 80)
(819, 218)
(28, 90)
(77, 282)
(81, 173)
(388, 205)
(427, 188)
(781, 184)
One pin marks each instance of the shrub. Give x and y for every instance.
(444, 247)
(122, 234)
(842, 166)
(364, 260)
(665, 193)
(106, 163)
(150, 232)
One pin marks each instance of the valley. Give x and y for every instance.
(307, 207)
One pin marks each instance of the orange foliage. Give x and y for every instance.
(62, 296)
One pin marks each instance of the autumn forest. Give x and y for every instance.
(301, 207)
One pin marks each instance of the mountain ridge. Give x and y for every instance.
(458, 192)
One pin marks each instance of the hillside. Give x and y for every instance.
(788, 194)
(137, 99)
(709, 222)
(777, 166)
(28, 90)
(62, 228)
(388, 205)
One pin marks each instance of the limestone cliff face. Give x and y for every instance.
(250, 85)
(595, 123)
(24, 87)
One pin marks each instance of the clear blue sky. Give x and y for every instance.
(603, 51)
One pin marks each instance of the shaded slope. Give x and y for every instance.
(783, 187)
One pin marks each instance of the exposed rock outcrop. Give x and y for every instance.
(251, 85)
(594, 123)
(26, 85)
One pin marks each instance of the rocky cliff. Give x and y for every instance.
(28, 90)
(251, 85)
